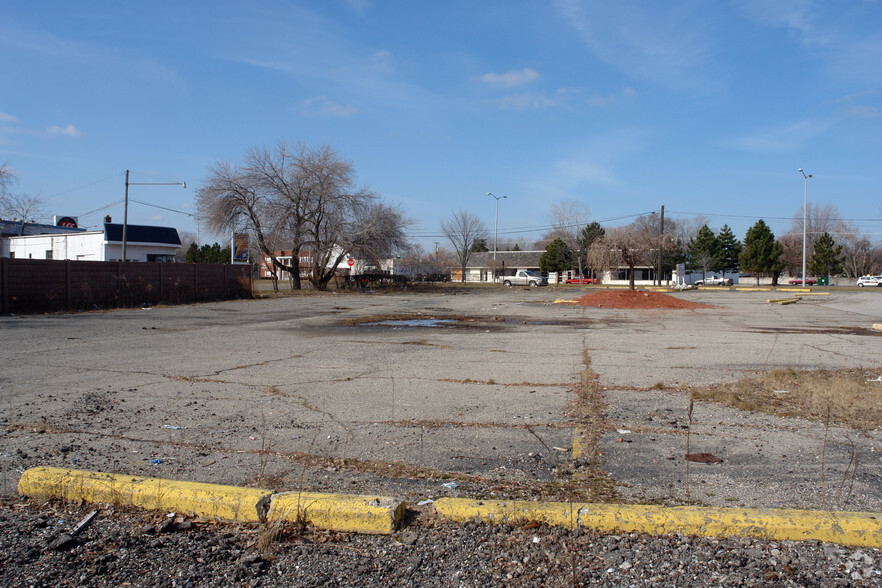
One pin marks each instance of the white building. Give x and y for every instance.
(143, 243)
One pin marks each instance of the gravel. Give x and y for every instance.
(128, 547)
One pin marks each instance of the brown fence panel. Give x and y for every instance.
(93, 285)
(39, 285)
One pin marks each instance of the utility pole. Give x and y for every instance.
(661, 245)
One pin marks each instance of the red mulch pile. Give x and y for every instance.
(635, 299)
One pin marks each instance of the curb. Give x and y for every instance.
(382, 515)
(783, 301)
(857, 529)
(340, 512)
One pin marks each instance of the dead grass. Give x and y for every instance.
(851, 397)
(589, 412)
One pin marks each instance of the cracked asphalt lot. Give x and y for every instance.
(298, 392)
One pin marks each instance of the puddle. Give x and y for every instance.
(412, 323)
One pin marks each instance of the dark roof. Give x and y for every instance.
(514, 259)
(13, 228)
(141, 234)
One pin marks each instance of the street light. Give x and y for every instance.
(804, 207)
(496, 226)
(126, 209)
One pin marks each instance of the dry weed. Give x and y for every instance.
(853, 397)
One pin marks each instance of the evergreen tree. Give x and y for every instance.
(516, 247)
(591, 233)
(192, 255)
(730, 248)
(826, 258)
(479, 245)
(761, 253)
(558, 257)
(704, 252)
(208, 254)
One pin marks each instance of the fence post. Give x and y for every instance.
(68, 295)
(4, 285)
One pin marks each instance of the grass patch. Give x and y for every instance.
(850, 397)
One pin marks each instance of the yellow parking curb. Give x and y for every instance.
(204, 500)
(340, 512)
(784, 300)
(375, 515)
(845, 528)
(753, 289)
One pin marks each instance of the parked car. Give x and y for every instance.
(798, 282)
(524, 278)
(582, 280)
(714, 281)
(869, 281)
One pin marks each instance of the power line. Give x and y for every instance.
(163, 207)
(84, 186)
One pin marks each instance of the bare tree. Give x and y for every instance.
(300, 198)
(629, 245)
(7, 178)
(22, 207)
(686, 229)
(282, 174)
(600, 256)
(861, 257)
(639, 243)
(229, 200)
(462, 228)
(819, 219)
(568, 218)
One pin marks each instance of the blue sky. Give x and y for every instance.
(704, 107)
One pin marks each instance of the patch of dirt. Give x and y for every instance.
(636, 299)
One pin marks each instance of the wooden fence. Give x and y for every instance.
(40, 285)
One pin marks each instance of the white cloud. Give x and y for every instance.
(7, 117)
(589, 172)
(358, 6)
(511, 79)
(670, 45)
(864, 111)
(779, 139)
(321, 105)
(381, 61)
(612, 97)
(523, 102)
(592, 163)
(69, 130)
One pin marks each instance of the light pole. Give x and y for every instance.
(126, 209)
(496, 226)
(804, 207)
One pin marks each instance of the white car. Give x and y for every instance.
(714, 281)
(869, 281)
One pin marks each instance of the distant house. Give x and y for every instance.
(482, 266)
(304, 264)
(143, 243)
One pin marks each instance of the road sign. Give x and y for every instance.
(351, 262)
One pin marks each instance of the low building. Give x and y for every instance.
(143, 243)
(304, 264)
(483, 267)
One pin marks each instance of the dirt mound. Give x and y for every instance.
(635, 299)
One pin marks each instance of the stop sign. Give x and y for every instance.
(351, 262)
